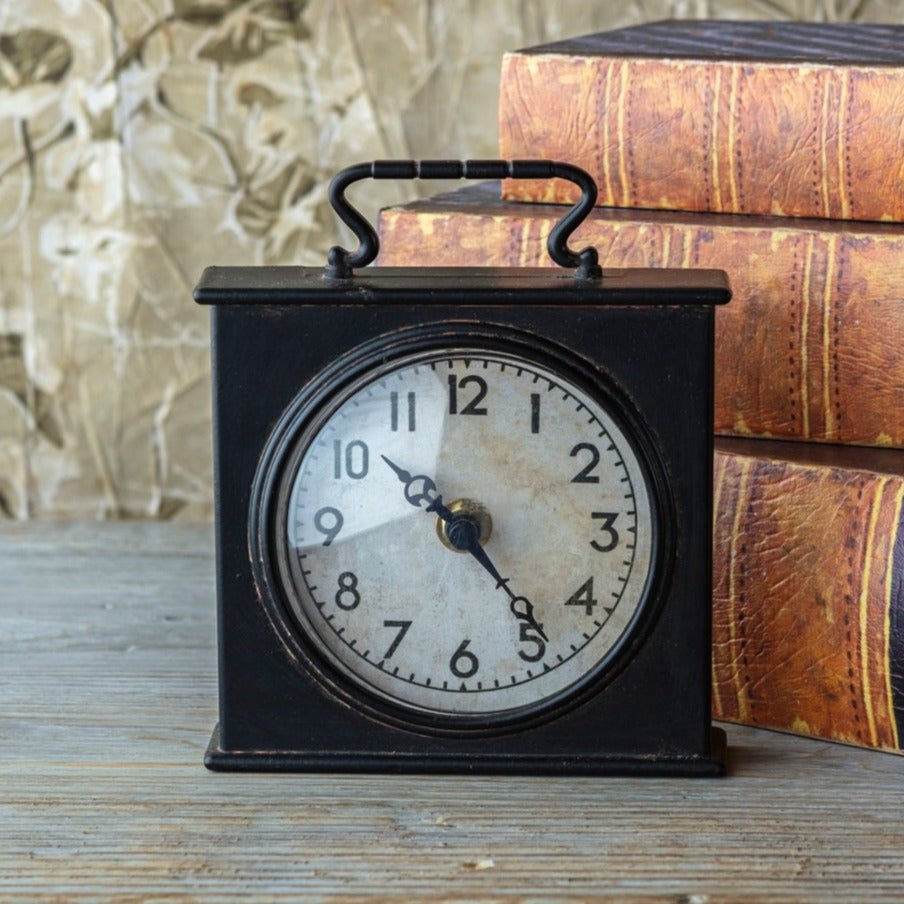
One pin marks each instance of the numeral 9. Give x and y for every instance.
(331, 530)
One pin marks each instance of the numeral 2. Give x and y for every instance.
(586, 475)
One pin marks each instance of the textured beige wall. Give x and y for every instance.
(143, 139)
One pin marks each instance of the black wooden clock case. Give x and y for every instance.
(286, 338)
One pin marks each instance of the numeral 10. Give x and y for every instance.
(356, 459)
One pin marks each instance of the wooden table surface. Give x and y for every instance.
(108, 696)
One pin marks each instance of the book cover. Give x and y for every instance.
(808, 590)
(794, 119)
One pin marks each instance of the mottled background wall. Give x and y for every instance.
(143, 139)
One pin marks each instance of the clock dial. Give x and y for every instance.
(466, 533)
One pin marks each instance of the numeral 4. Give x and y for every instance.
(583, 596)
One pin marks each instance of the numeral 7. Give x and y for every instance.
(403, 627)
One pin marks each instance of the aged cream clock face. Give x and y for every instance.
(466, 533)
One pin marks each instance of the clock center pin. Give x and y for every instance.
(471, 518)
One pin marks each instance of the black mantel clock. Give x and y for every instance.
(464, 515)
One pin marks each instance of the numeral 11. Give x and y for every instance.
(394, 411)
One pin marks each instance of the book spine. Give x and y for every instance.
(782, 139)
(806, 350)
(807, 599)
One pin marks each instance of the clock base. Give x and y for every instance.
(220, 760)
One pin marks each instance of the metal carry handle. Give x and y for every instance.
(341, 263)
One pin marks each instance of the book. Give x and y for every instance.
(790, 119)
(808, 349)
(808, 590)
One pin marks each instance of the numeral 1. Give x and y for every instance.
(535, 412)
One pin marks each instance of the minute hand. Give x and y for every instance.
(421, 488)
(526, 613)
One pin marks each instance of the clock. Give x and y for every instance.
(464, 515)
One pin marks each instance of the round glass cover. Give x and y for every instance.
(466, 533)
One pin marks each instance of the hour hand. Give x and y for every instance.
(404, 476)
(418, 488)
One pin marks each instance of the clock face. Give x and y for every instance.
(466, 533)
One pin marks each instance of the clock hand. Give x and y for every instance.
(526, 612)
(463, 534)
(427, 489)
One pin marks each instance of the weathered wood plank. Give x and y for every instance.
(107, 698)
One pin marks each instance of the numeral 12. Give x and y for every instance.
(472, 407)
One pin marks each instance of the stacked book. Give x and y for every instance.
(774, 152)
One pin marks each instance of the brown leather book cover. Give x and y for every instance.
(782, 118)
(808, 349)
(808, 590)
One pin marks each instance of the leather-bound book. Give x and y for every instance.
(810, 347)
(808, 590)
(781, 118)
